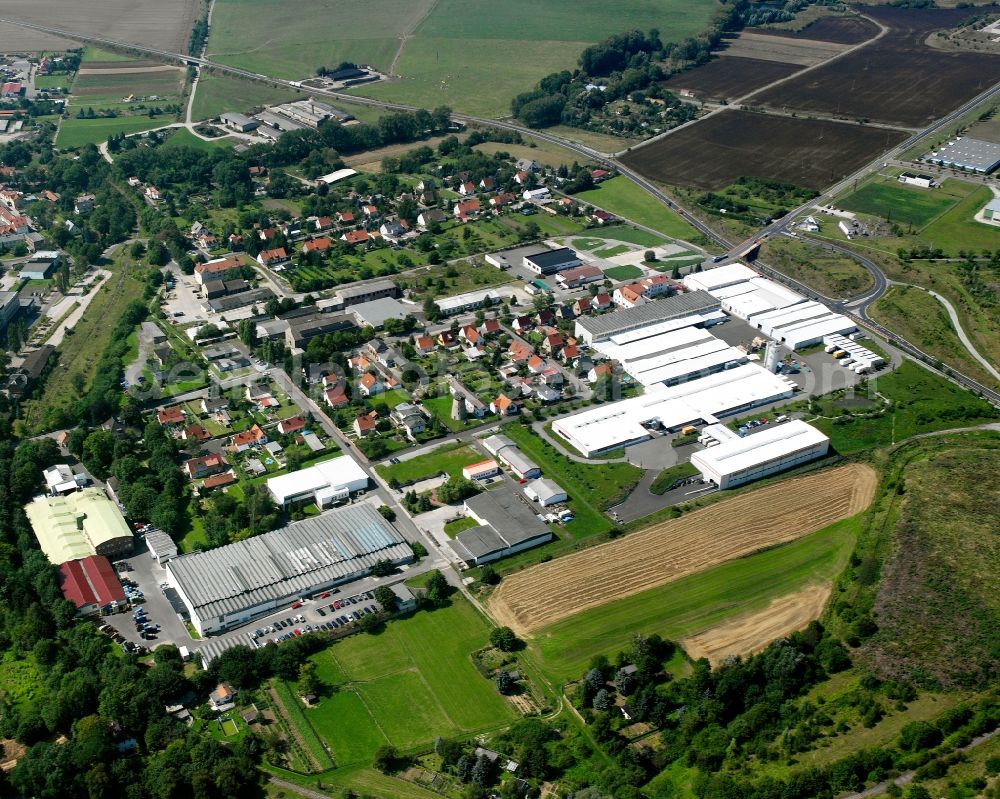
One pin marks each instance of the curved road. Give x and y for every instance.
(733, 251)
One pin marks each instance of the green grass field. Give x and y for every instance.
(454, 528)
(623, 198)
(182, 137)
(829, 272)
(907, 205)
(686, 606)
(473, 58)
(922, 320)
(217, 94)
(448, 458)
(78, 132)
(394, 687)
(923, 403)
(622, 272)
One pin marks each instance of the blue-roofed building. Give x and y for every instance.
(237, 583)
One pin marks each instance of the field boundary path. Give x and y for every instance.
(739, 101)
(406, 35)
(955, 323)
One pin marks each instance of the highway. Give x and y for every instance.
(856, 308)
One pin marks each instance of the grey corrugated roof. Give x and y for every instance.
(480, 541)
(517, 460)
(288, 562)
(507, 514)
(367, 288)
(686, 304)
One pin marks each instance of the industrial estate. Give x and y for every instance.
(516, 402)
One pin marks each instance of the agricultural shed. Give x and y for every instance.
(233, 584)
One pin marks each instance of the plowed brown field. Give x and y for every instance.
(745, 635)
(730, 529)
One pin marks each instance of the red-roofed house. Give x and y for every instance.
(318, 245)
(470, 334)
(599, 371)
(570, 353)
(490, 327)
(196, 468)
(196, 432)
(248, 438)
(424, 345)
(601, 302)
(90, 583)
(272, 257)
(369, 385)
(169, 417)
(218, 480)
(336, 396)
(519, 351)
(552, 343)
(323, 223)
(599, 174)
(364, 424)
(536, 364)
(504, 406)
(447, 339)
(467, 209)
(293, 425)
(467, 189)
(523, 323)
(345, 217)
(355, 236)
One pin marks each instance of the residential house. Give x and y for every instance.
(467, 209)
(467, 189)
(291, 425)
(355, 236)
(345, 217)
(272, 257)
(582, 306)
(394, 228)
(214, 404)
(570, 353)
(247, 439)
(409, 418)
(336, 396)
(603, 217)
(598, 175)
(518, 351)
(522, 178)
(504, 406)
(322, 223)
(488, 184)
(447, 339)
(84, 204)
(551, 376)
(218, 481)
(153, 194)
(364, 424)
(579, 276)
(196, 468)
(553, 342)
(470, 334)
(195, 432)
(503, 199)
(170, 417)
(630, 296)
(319, 245)
(370, 210)
(600, 371)
(222, 696)
(424, 345)
(547, 394)
(427, 184)
(536, 364)
(490, 327)
(545, 317)
(475, 352)
(600, 302)
(431, 216)
(369, 385)
(522, 324)
(528, 165)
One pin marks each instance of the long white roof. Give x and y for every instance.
(719, 277)
(767, 445)
(713, 356)
(813, 330)
(644, 348)
(607, 426)
(334, 473)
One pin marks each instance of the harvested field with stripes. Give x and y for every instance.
(730, 529)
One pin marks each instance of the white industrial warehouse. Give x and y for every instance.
(325, 483)
(236, 583)
(777, 311)
(774, 449)
(706, 399)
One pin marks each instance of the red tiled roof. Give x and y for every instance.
(216, 480)
(90, 581)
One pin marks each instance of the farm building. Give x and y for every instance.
(90, 583)
(236, 583)
(324, 483)
(707, 399)
(239, 122)
(506, 525)
(973, 155)
(549, 262)
(681, 310)
(545, 492)
(78, 525)
(772, 450)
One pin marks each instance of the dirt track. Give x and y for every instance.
(730, 529)
(745, 635)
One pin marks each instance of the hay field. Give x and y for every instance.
(751, 633)
(733, 528)
(162, 24)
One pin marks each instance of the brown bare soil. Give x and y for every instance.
(139, 67)
(712, 153)
(844, 30)
(788, 50)
(729, 529)
(163, 24)
(729, 77)
(752, 633)
(897, 79)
